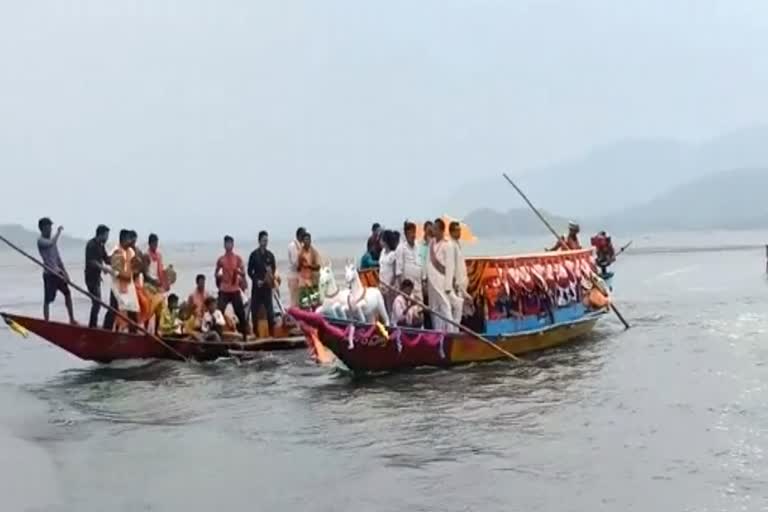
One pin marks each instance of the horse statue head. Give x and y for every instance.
(326, 276)
(326, 282)
(350, 273)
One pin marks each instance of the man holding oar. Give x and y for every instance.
(53, 282)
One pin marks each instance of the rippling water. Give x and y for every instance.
(670, 415)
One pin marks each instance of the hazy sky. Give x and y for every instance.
(198, 118)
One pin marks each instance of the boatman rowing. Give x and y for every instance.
(569, 242)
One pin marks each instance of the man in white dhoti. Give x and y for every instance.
(460, 279)
(408, 262)
(124, 297)
(440, 276)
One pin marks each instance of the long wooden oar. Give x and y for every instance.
(98, 300)
(552, 230)
(624, 248)
(454, 323)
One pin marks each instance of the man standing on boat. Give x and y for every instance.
(460, 279)
(230, 279)
(294, 249)
(124, 296)
(440, 276)
(55, 277)
(262, 269)
(408, 261)
(155, 268)
(97, 262)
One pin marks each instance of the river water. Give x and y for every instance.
(670, 415)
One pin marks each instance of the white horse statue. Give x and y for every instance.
(363, 304)
(334, 300)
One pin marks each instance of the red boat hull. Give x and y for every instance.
(106, 346)
(366, 350)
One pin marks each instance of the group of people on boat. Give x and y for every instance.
(413, 274)
(433, 270)
(140, 288)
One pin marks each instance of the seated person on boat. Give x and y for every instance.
(404, 312)
(170, 321)
(213, 323)
(197, 298)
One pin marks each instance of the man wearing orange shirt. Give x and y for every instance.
(230, 279)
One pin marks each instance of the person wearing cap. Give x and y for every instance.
(55, 277)
(97, 262)
(570, 242)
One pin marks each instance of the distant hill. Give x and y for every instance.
(27, 239)
(725, 200)
(486, 222)
(613, 177)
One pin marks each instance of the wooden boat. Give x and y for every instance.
(505, 292)
(105, 346)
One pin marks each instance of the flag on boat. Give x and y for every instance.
(21, 331)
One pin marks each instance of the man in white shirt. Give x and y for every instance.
(440, 276)
(294, 248)
(460, 279)
(404, 312)
(408, 262)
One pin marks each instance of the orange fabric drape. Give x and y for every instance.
(466, 232)
(478, 269)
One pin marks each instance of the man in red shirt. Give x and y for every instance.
(230, 279)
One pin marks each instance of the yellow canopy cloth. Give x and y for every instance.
(466, 233)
